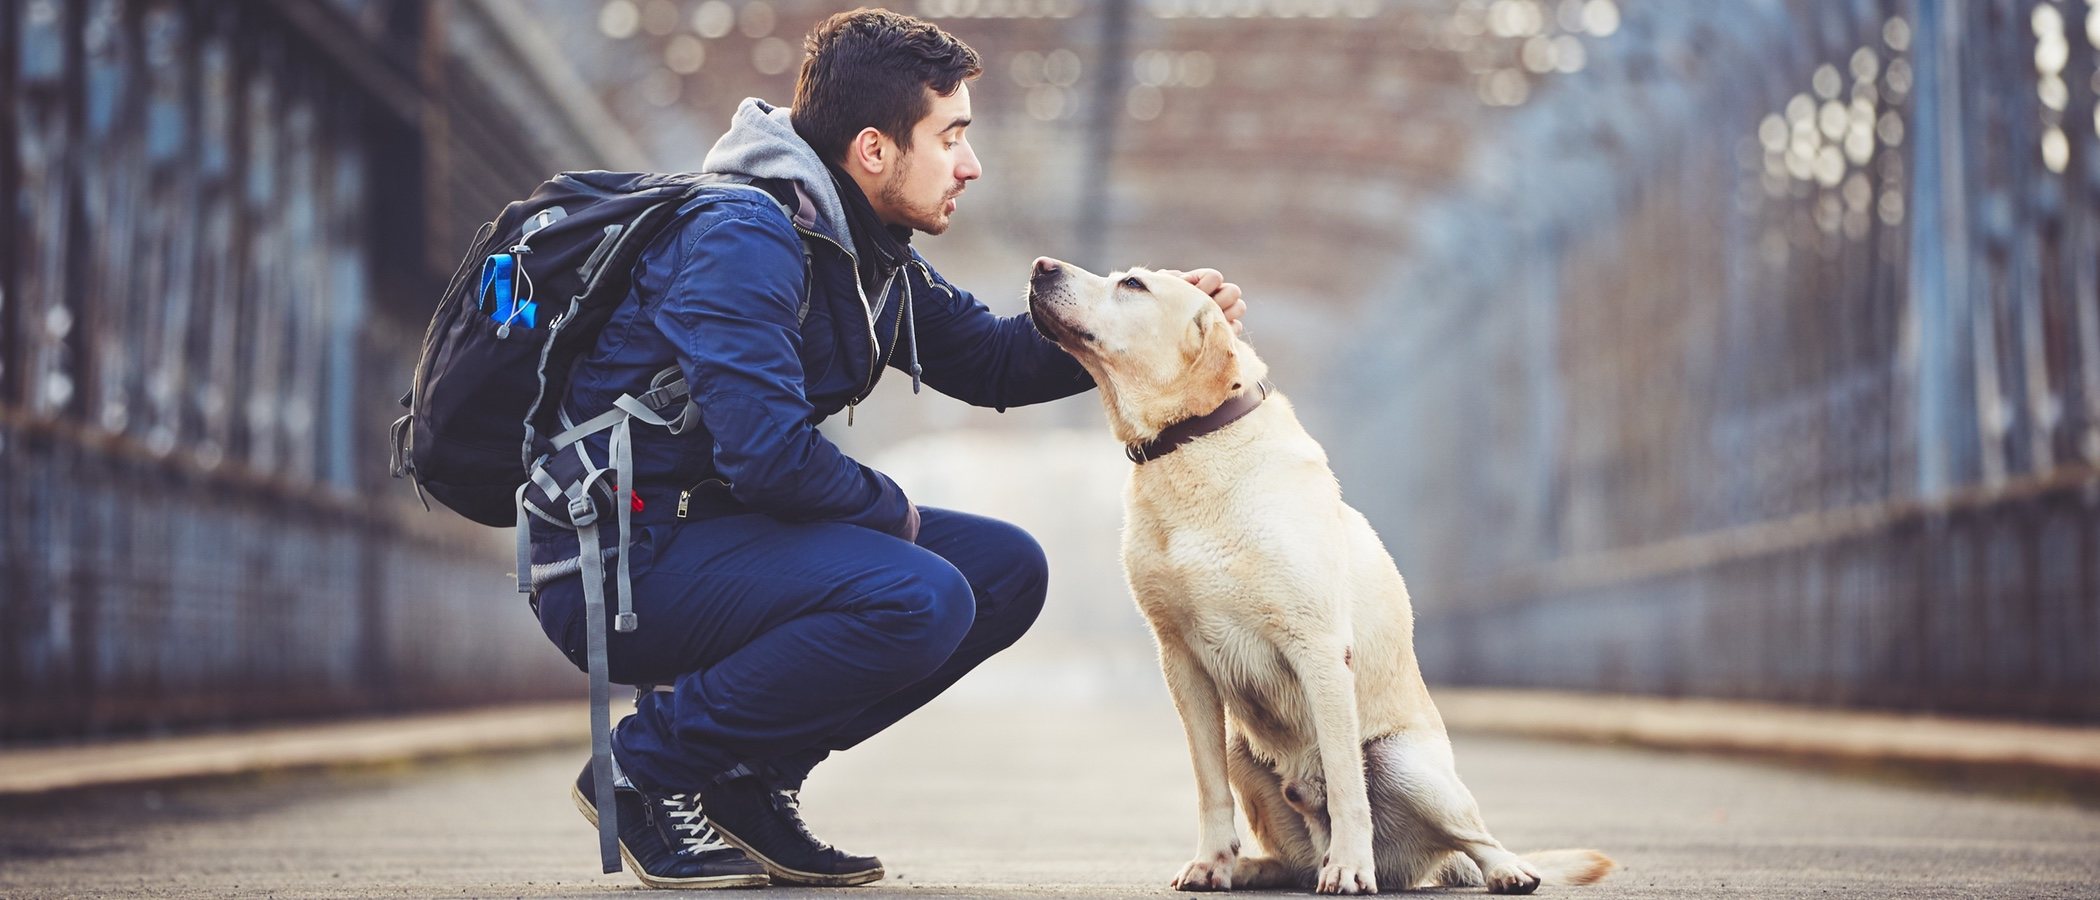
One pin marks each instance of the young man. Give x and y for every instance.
(795, 601)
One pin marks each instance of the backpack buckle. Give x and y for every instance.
(582, 511)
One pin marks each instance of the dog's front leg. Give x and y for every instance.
(1330, 694)
(1203, 716)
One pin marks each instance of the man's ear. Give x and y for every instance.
(870, 151)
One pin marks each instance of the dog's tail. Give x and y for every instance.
(1570, 866)
(1555, 867)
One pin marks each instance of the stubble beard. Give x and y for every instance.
(932, 219)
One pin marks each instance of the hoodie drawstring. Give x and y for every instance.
(911, 332)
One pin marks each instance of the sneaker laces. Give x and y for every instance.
(788, 801)
(695, 833)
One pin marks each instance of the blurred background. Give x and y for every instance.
(1744, 349)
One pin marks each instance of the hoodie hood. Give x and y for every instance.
(761, 143)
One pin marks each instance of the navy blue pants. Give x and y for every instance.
(783, 642)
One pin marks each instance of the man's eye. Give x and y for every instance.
(1133, 283)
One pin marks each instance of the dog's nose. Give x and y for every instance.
(1045, 265)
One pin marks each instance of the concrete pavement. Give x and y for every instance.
(969, 799)
(2063, 757)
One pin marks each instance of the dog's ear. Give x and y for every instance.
(1213, 362)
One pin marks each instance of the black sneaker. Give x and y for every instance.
(767, 824)
(667, 842)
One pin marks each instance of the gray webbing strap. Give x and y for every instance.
(601, 696)
(597, 423)
(583, 517)
(643, 407)
(524, 542)
(547, 486)
(623, 506)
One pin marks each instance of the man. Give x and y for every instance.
(794, 601)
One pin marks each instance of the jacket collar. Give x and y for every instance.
(879, 248)
(1173, 436)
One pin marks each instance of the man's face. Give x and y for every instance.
(921, 189)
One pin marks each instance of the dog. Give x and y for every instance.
(1283, 625)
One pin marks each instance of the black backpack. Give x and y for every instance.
(532, 295)
(486, 385)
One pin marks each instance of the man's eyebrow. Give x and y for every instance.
(960, 122)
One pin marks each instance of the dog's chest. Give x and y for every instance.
(1230, 635)
(1260, 690)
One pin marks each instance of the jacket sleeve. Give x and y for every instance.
(729, 307)
(973, 355)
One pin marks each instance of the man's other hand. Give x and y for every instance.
(1212, 282)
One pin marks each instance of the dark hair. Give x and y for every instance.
(872, 68)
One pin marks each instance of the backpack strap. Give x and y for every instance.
(574, 506)
(565, 489)
(600, 691)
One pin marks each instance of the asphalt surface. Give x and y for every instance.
(1062, 800)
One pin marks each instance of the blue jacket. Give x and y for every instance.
(720, 294)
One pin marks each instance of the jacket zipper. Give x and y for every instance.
(873, 342)
(896, 332)
(877, 362)
(685, 497)
(930, 282)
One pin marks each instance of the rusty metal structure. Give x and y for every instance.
(1773, 377)
(224, 224)
(1745, 349)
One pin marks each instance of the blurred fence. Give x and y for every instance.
(224, 228)
(1777, 377)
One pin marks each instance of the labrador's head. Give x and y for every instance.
(1159, 349)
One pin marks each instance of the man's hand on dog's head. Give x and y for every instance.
(1212, 282)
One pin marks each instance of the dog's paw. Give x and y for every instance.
(1344, 879)
(1210, 873)
(1512, 876)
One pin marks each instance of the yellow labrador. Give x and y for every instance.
(1283, 626)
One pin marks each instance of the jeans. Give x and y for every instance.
(783, 641)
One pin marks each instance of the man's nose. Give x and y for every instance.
(966, 166)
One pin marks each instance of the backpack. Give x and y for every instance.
(536, 288)
(496, 356)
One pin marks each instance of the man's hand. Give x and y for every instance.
(1211, 282)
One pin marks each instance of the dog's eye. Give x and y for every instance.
(1134, 284)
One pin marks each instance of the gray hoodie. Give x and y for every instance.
(761, 143)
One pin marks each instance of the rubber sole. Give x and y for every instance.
(701, 883)
(784, 875)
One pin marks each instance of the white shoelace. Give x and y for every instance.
(789, 800)
(696, 833)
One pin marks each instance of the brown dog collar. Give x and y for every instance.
(1186, 430)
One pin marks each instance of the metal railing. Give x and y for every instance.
(219, 256)
(1795, 399)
